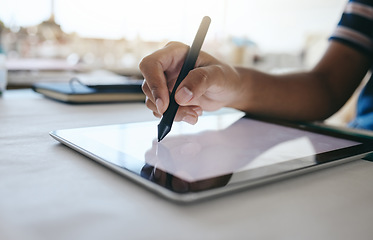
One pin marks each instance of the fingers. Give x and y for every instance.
(160, 71)
(150, 101)
(204, 88)
(211, 85)
(188, 114)
(199, 81)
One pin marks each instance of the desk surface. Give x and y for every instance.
(48, 191)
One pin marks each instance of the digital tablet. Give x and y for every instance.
(220, 154)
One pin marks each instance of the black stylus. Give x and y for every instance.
(164, 127)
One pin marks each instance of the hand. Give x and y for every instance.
(210, 86)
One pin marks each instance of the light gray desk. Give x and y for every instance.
(48, 191)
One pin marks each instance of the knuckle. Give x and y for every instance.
(149, 104)
(174, 43)
(146, 90)
(154, 88)
(199, 75)
(144, 86)
(145, 62)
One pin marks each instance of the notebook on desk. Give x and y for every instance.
(78, 92)
(218, 155)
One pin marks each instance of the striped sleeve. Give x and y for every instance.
(356, 26)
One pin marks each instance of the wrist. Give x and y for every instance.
(241, 85)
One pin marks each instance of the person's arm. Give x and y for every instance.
(312, 95)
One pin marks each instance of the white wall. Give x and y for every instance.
(276, 25)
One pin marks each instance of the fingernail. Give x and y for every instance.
(190, 119)
(159, 105)
(184, 95)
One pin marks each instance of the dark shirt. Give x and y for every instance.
(355, 29)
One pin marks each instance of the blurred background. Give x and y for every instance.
(53, 40)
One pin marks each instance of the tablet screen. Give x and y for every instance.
(217, 151)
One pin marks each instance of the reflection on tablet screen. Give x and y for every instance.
(218, 146)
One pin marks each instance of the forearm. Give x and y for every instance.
(312, 95)
(297, 96)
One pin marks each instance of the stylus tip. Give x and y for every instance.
(163, 130)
